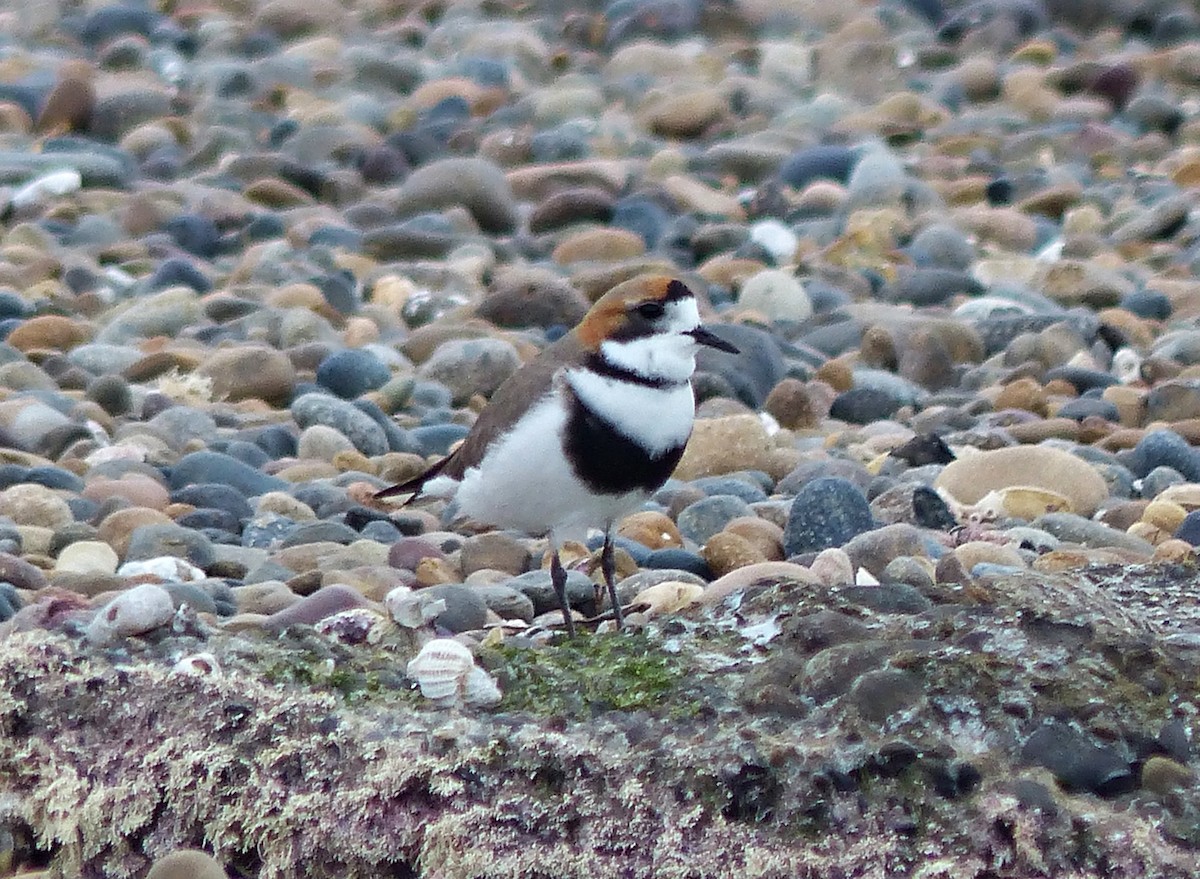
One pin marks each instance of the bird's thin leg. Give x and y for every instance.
(558, 576)
(608, 564)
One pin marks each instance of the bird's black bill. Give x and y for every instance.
(712, 340)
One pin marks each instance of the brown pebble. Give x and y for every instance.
(496, 551)
(598, 245)
(434, 571)
(70, 105)
(791, 405)
(118, 526)
(1024, 393)
(726, 552)
(836, 373)
(723, 445)
(1162, 775)
(52, 332)
(651, 529)
(766, 537)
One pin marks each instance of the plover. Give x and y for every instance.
(585, 432)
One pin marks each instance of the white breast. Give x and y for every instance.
(658, 419)
(525, 482)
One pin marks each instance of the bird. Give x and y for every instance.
(585, 432)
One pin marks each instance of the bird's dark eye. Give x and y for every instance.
(651, 310)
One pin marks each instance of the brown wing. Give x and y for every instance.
(532, 382)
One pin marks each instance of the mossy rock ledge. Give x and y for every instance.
(1022, 726)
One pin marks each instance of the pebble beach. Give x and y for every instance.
(928, 560)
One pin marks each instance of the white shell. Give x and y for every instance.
(412, 609)
(669, 597)
(440, 669)
(201, 665)
(479, 688)
(446, 672)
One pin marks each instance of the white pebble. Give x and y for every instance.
(135, 612)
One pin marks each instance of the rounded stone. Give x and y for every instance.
(651, 529)
(134, 612)
(87, 557)
(155, 541)
(466, 608)
(476, 184)
(49, 332)
(356, 425)
(971, 477)
(726, 551)
(35, 505)
(352, 372)
(827, 512)
(249, 372)
(777, 294)
(186, 864)
(208, 466)
(471, 366)
(704, 518)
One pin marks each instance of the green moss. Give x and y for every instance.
(357, 676)
(592, 674)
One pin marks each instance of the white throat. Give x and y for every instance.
(669, 355)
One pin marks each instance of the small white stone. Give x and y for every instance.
(777, 239)
(60, 182)
(87, 557)
(412, 609)
(135, 612)
(201, 665)
(777, 294)
(167, 567)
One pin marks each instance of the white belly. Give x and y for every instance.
(525, 482)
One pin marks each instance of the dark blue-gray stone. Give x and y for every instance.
(10, 601)
(436, 439)
(754, 370)
(864, 405)
(730, 485)
(826, 513)
(353, 423)
(277, 441)
(826, 162)
(642, 216)
(267, 532)
(208, 518)
(704, 518)
(352, 372)
(318, 532)
(1084, 407)
(54, 477)
(538, 588)
(381, 532)
(215, 495)
(674, 559)
(169, 539)
(1159, 480)
(206, 466)
(465, 608)
(1150, 304)
(175, 272)
(196, 234)
(1163, 448)
(1077, 762)
(1189, 528)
